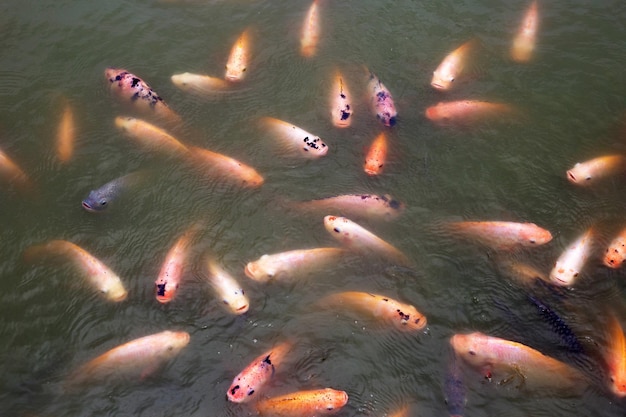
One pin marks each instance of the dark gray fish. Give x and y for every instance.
(99, 199)
(558, 325)
(454, 388)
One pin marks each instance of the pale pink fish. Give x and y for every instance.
(149, 136)
(526, 36)
(370, 206)
(589, 172)
(616, 251)
(290, 264)
(171, 273)
(224, 168)
(309, 38)
(340, 102)
(237, 64)
(199, 84)
(572, 260)
(502, 234)
(452, 66)
(381, 101)
(294, 141)
(227, 288)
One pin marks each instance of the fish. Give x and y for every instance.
(616, 251)
(454, 388)
(171, 272)
(381, 101)
(287, 265)
(615, 357)
(588, 172)
(227, 288)
(224, 168)
(237, 63)
(310, 403)
(522, 272)
(66, 134)
(370, 206)
(135, 359)
(150, 136)
(376, 156)
(402, 316)
(309, 38)
(571, 261)
(247, 385)
(400, 412)
(99, 276)
(526, 37)
(294, 140)
(340, 102)
(452, 66)
(559, 326)
(359, 239)
(466, 112)
(11, 173)
(199, 84)
(139, 95)
(502, 234)
(491, 355)
(100, 199)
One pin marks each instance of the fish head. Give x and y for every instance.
(252, 179)
(116, 291)
(471, 348)
(334, 399)
(535, 235)
(175, 342)
(442, 80)
(237, 301)
(111, 73)
(580, 174)
(436, 113)
(411, 319)
(95, 202)
(338, 227)
(563, 275)
(261, 270)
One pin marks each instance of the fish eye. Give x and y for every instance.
(452, 79)
(103, 202)
(532, 241)
(471, 352)
(170, 348)
(330, 408)
(587, 178)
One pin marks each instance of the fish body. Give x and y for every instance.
(451, 67)
(340, 102)
(364, 205)
(199, 84)
(66, 134)
(309, 38)
(150, 136)
(313, 403)
(100, 276)
(588, 172)
(523, 273)
(237, 63)
(249, 382)
(101, 198)
(502, 234)
(171, 272)
(403, 316)
(225, 168)
(526, 36)
(376, 155)
(615, 358)
(10, 172)
(227, 288)
(454, 388)
(572, 260)
(616, 251)
(465, 112)
(294, 140)
(138, 94)
(285, 265)
(381, 101)
(135, 359)
(357, 238)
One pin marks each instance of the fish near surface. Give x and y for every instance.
(452, 66)
(198, 84)
(615, 357)
(225, 168)
(101, 198)
(294, 141)
(340, 102)
(227, 288)
(370, 206)
(309, 38)
(249, 382)
(454, 388)
(11, 173)
(402, 316)
(588, 172)
(502, 234)
(311, 403)
(571, 261)
(381, 101)
(467, 112)
(149, 136)
(616, 251)
(135, 359)
(237, 64)
(526, 37)
(376, 155)
(171, 272)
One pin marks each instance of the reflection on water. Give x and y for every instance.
(570, 95)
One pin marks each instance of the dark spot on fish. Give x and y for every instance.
(337, 230)
(267, 360)
(342, 95)
(251, 392)
(117, 78)
(392, 121)
(471, 352)
(161, 289)
(134, 97)
(394, 204)
(387, 299)
(234, 389)
(403, 317)
(134, 82)
(345, 114)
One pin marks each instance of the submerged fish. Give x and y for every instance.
(311, 403)
(286, 265)
(11, 173)
(66, 134)
(454, 388)
(466, 112)
(199, 84)
(370, 206)
(101, 198)
(615, 357)
(525, 39)
(309, 37)
(224, 168)
(150, 136)
(558, 325)
(295, 141)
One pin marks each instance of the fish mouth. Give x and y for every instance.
(437, 86)
(87, 207)
(571, 176)
(242, 309)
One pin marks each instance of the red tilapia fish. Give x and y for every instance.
(172, 269)
(286, 265)
(452, 66)
(247, 385)
(403, 316)
(340, 102)
(502, 235)
(313, 403)
(138, 358)
(66, 134)
(376, 156)
(491, 355)
(225, 168)
(100, 276)
(139, 94)
(294, 140)
(586, 173)
(370, 206)
(309, 37)
(150, 136)
(199, 84)
(572, 260)
(615, 358)
(360, 239)
(381, 101)
(11, 173)
(466, 112)
(227, 288)
(237, 63)
(616, 251)
(526, 36)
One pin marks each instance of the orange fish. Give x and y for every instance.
(340, 103)
(172, 269)
(570, 263)
(370, 206)
(150, 136)
(376, 155)
(525, 39)
(403, 316)
(615, 358)
(295, 141)
(467, 112)
(502, 235)
(97, 273)
(66, 134)
(237, 63)
(586, 173)
(253, 378)
(135, 359)
(311, 403)
(452, 66)
(199, 84)
(11, 173)
(310, 31)
(616, 251)
(225, 168)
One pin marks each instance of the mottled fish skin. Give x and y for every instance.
(454, 388)
(382, 102)
(100, 199)
(558, 325)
